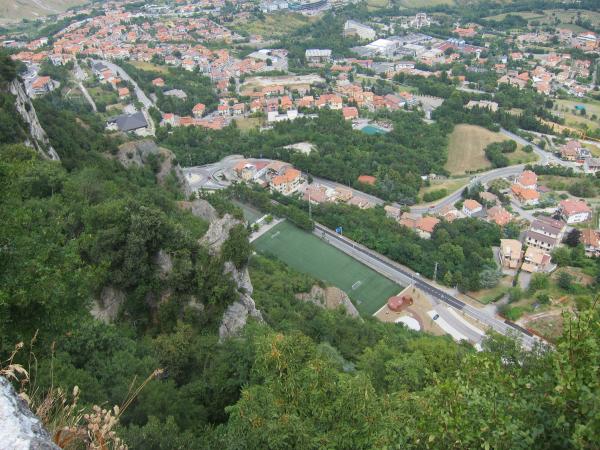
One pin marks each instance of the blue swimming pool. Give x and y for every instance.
(372, 129)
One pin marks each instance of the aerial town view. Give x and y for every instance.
(299, 224)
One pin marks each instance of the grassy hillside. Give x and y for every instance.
(12, 11)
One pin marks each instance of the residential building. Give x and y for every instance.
(536, 260)
(570, 151)
(425, 226)
(545, 233)
(316, 55)
(198, 110)
(123, 93)
(471, 207)
(591, 241)
(527, 180)
(350, 112)
(499, 215)
(128, 122)
(574, 211)
(42, 85)
(591, 165)
(527, 197)
(288, 182)
(510, 253)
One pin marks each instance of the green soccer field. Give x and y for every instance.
(307, 253)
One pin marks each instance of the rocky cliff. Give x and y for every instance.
(139, 153)
(38, 137)
(236, 315)
(329, 298)
(20, 429)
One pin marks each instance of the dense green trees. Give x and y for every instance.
(397, 159)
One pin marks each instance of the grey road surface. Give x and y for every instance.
(398, 273)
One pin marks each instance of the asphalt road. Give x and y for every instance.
(398, 273)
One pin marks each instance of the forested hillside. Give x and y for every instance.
(304, 377)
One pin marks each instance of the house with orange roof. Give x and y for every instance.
(499, 215)
(425, 226)
(123, 93)
(198, 110)
(471, 207)
(42, 85)
(574, 211)
(527, 197)
(571, 150)
(286, 103)
(527, 179)
(590, 239)
(287, 183)
(350, 112)
(367, 179)
(158, 82)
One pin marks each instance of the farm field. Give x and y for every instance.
(12, 11)
(273, 25)
(248, 123)
(307, 253)
(466, 149)
(142, 65)
(566, 19)
(566, 110)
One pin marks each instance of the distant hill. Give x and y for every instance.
(15, 10)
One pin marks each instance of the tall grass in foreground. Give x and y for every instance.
(69, 425)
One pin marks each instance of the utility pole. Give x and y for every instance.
(435, 271)
(309, 206)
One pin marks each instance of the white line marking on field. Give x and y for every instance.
(356, 285)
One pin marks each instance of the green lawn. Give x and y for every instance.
(309, 254)
(250, 214)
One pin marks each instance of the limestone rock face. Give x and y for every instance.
(138, 153)
(38, 135)
(218, 233)
(164, 262)
(107, 306)
(201, 208)
(20, 429)
(240, 277)
(329, 298)
(236, 316)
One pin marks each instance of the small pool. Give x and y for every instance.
(372, 129)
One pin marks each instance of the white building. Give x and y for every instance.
(353, 28)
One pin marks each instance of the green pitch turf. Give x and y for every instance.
(309, 254)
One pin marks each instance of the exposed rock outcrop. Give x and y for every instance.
(106, 307)
(164, 262)
(39, 139)
(236, 316)
(329, 298)
(218, 233)
(138, 153)
(20, 429)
